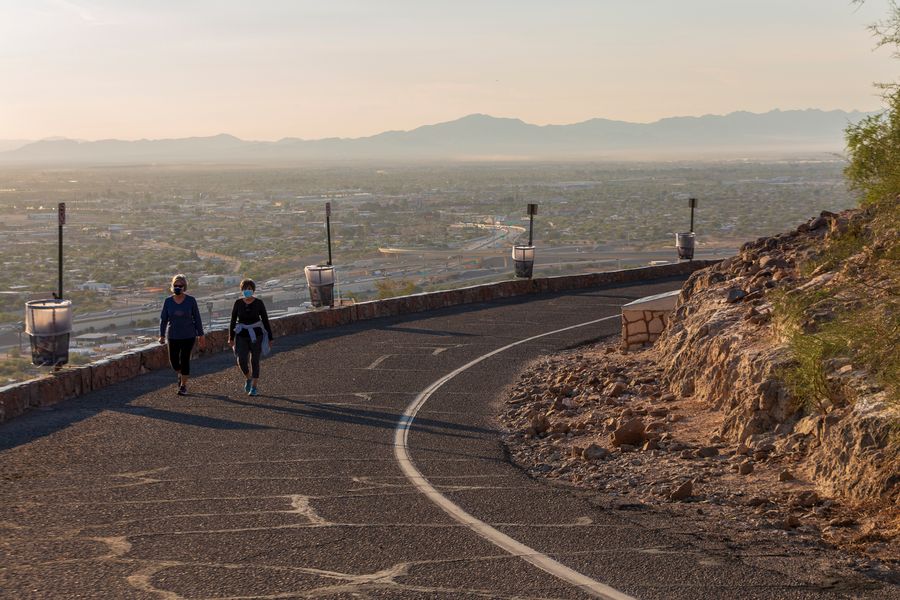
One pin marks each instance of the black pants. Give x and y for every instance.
(247, 350)
(180, 355)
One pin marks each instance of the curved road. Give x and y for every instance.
(369, 467)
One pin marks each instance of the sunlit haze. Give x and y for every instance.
(266, 70)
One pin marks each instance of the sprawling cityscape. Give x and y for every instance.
(395, 230)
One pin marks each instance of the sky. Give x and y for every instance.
(268, 69)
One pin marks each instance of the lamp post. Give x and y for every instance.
(523, 256)
(328, 228)
(320, 278)
(684, 242)
(692, 202)
(48, 323)
(532, 210)
(61, 214)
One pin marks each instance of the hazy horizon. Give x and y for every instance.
(97, 69)
(420, 125)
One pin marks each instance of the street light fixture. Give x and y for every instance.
(523, 256)
(48, 323)
(320, 278)
(684, 242)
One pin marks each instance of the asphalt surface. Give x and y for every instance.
(134, 492)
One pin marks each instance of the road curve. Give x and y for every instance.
(538, 559)
(134, 492)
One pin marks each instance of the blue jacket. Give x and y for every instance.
(180, 321)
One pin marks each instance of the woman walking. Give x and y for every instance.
(181, 325)
(249, 334)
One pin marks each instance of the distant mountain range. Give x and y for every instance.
(482, 137)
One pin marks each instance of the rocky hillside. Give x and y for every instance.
(771, 398)
(740, 338)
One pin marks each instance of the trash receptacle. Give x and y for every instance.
(48, 324)
(684, 242)
(320, 279)
(524, 259)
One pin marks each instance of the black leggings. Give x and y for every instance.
(180, 355)
(245, 349)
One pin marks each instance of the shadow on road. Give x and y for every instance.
(355, 416)
(436, 332)
(188, 418)
(314, 411)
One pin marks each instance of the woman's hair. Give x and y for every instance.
(178, 277)
(248, 284)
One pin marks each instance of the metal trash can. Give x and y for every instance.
(524, 259)
(320, 279)
(48, 324)
(684, 242)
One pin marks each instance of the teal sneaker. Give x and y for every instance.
(252, 391)
(248, 385)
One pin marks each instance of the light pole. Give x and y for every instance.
(532, 210)
(320, 278)
(524, 255)
(61, 214)
(48, 323)
(693, 204)
(684, 242)
(328, 229)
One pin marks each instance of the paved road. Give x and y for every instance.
(133, 492)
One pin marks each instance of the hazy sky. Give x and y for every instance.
(266, 69)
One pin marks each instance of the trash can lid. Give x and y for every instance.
(52, 303)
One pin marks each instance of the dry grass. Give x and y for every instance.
(857, 319)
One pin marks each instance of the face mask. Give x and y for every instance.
(248, 293)
(177, 289)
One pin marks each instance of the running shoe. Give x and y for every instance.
(182, 390)
(248, 385)
(252, 391)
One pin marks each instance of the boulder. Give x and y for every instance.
(614, 389)
(595, 452)
(632, 432)
(708, 452)
(682, 492)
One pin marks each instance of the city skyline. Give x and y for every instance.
(98, 69)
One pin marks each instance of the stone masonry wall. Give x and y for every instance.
(641, 328)
(73, 382)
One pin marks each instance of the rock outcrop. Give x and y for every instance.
(711, 413)
(723, 348)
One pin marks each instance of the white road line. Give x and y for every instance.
(378, 361)
(541, 561)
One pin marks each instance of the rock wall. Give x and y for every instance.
(722, 349)
(642, 327)
(70, 383)
(644, 320)
(851, 450)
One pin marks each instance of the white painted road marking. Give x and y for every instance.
(541, 561)
(378, 361)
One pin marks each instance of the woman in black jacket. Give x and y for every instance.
(249, 334)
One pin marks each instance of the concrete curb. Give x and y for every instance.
(68, 383)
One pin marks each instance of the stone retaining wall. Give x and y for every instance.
(73, 382)
(644, 319)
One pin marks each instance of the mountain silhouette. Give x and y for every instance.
(480, 136)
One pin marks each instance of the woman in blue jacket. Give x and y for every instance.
(181, 325)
